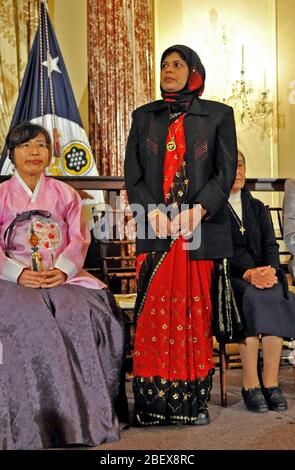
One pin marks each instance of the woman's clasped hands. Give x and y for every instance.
(182, 224)
(262, 277)
(43, 279)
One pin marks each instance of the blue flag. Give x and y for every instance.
(46, 98)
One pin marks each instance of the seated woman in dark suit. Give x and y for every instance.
(261, 290)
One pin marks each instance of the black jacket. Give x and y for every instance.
(258, 246)
(211, 158)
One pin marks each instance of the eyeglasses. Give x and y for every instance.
(30, 145)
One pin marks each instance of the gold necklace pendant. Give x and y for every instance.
(242, 230)
(171, 145)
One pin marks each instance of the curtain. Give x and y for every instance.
(120, 74)
(18, 25)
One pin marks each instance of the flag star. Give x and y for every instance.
(51, 64)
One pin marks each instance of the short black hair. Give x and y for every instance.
(24, 132)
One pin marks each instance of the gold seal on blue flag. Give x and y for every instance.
(46, 98)
(76, 158)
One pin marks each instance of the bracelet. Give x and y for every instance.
(154, 214)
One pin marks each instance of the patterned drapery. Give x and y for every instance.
(120, 74)
(18, 25)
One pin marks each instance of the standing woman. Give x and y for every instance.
(181, 151)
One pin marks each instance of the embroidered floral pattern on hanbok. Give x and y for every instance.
(47, 231)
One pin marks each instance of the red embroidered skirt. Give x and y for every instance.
(173, 343)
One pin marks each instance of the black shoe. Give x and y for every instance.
(202, 418)
(275, 398)
(254, 400)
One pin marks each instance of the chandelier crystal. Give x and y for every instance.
(253, 110)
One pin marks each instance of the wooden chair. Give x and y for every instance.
(116, 251)
(228, 357)
(118, 266)
(127, 302)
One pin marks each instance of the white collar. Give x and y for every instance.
(33, 195)
(235, 197)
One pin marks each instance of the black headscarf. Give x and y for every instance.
(180, 101)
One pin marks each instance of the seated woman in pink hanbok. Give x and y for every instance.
(61, 335)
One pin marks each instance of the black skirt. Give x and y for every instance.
(265, 311)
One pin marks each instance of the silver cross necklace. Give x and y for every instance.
(237, 219)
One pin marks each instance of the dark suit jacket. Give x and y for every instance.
(258, 246)
(211, 157)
